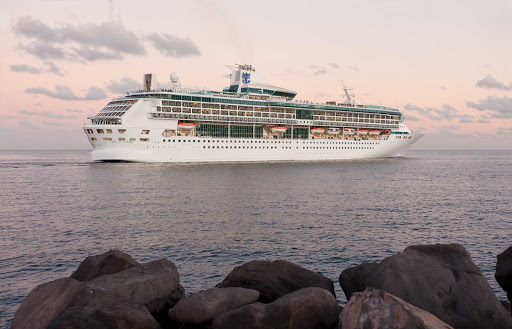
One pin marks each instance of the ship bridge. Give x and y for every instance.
(245, 80)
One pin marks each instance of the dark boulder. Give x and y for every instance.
(209, 304)
(440, 279)
(376, 309)
(504, 271)
(150, 284)
(120, 316)
(112, 261)
(307, 308)
(274, 279)
(47, 301)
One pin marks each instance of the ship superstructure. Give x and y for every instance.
(250, 120)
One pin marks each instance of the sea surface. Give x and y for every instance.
(56, 208)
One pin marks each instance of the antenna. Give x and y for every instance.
(347, 94)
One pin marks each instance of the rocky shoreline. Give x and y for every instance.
(425, 286)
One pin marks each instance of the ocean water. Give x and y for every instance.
(56, 208)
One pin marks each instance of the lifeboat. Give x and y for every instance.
(278, 129)
(333, 131)
(186, 125)
(374, 132)
(363, 131)
(317, 130)
(349, 131)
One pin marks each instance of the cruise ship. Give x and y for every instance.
(249, 120)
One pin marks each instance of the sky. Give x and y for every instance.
(447, 65)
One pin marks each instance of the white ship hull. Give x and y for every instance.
(211, 149)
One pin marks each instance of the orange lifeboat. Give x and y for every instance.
(317, 130)
(278, 129)
(186, 125)
(363, 131)
(374, 132)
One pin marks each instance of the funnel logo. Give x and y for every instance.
(246, 77)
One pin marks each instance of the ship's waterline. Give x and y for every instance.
(250, 120)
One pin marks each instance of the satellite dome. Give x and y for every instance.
(175, 77)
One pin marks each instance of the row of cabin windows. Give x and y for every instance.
(259, 141)
(289, 147)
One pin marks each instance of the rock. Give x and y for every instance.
(274, 279)
(209, 304)
(306, 308)
(112, 261)
(162, 313)
(150, 284)
(47, 301)
(506, 305)
(376, 309)
(440, 279)
(504, 271)
(120, 316)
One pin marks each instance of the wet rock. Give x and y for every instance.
(440, 279)
(45, 302)
(275, 279)
(209, 304)
(376, 309)
(504, 271)
(306, 308)
(120, 316)
(150, 284)
(112, 261)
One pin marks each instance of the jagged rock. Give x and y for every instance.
(274, 279)
(47, 301)
(120, 316)
(504, 271)
(209, 304)
(376, 309)
(306, 308)
(440, 279)
(112, 261)
(150, 284)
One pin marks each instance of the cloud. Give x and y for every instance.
(123, 85)
(74, 110)
(352, 68)
(484, 121)
(318, 70)
(52, 123)
(25, 68)
(94, 42)
(452, 127)
(47, 114)
(173, 46)
(50, 67)
(53, 68)
(443, 88)
(324, 69)
(445, 113)
(65, 93)
(504, 130)
(491, 83)
(499, 107)
(466, 120)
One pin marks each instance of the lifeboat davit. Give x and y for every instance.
(278, 129)
(317, 130)
(349, 131)
(363, 131)
(333, 131)
(374, 132)
(186, 125)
